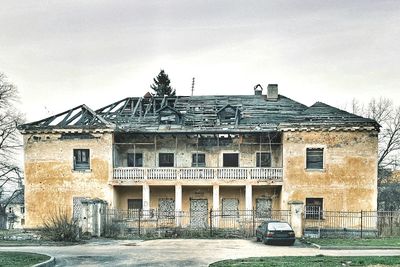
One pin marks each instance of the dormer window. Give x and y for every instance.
(169, 115)
(228, 115)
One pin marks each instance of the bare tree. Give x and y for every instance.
(388, 116)
(10, 172)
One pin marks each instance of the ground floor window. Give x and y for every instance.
(263, 207)
(230, 207)
(314, 208)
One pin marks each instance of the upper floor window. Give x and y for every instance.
(166, 160)
(199, 160)
(231, 160)
(315, 158)
(135, 160)
(263, 159)
(81, 159)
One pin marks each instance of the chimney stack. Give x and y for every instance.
(258, 89)
(272, 92)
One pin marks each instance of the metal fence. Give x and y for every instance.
(319, 223)
(211, 223)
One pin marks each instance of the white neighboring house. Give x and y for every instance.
(16, 212)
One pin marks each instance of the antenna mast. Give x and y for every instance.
(192, 85)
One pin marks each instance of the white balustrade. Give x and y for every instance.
(136, 173)
(197, 173)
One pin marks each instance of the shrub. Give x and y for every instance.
(61, 227)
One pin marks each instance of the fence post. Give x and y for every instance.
(361, 233)
(211, 224)
(391, 223)
(140, 213)
(254, 221)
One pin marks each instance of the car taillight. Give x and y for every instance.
(291, 234)
(268, 234)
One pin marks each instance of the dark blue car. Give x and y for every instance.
(275, 232)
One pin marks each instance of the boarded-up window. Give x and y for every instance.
(166, 160)
(263, 207)
(263, 159)
(315, 158)
(81, 159)
(314, 208)
(166, 208)
(199, 160)
(230, 207)
(135, 160)
(231, 160)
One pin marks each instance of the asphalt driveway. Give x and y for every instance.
(175, 252)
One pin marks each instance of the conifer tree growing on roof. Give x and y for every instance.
(161, 85)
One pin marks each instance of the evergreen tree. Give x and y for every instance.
(161, 85)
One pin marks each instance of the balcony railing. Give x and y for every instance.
(137, 174)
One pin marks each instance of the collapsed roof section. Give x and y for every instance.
(80, 117)
(204, 114)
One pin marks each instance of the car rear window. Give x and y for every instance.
(280, 226)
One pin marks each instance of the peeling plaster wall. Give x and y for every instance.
(183, 148)
(50, 179)
(349, 179)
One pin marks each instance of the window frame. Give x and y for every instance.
(134, 159)
(169, 164)
(258, 160)
(320, 167)
(238, 159)
(195, 160)
(314, 215)
(82, 165)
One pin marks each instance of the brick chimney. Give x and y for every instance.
(272, 92)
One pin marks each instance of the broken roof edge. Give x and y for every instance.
(44, 124)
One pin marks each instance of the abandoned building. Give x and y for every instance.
(195, 153)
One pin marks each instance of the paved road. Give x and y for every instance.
(177, 252)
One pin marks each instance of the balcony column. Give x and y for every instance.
(215, 205)
(249, 197)
(178, 204)
(146, 197)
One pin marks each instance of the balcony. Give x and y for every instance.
(138, 174)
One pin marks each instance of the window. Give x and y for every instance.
(135, 204)
(230, 207)
(263, 207)
(314, 208)
(22, 210)
(231, 160)
(135, 160)
(199, 160)
(315, 158)
(263, 159)
(166, 160)
(81, 159)
(166, 208)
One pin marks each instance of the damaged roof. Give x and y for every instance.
(218, 113)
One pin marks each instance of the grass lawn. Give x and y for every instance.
(19, 259)
(367, 242)
(310, 261)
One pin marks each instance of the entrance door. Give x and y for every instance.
(198, 213)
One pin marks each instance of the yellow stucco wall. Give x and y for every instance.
(349, 178)
(50, 179)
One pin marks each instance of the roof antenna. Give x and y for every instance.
(192, 85)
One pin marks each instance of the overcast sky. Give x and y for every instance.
(62, 54)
